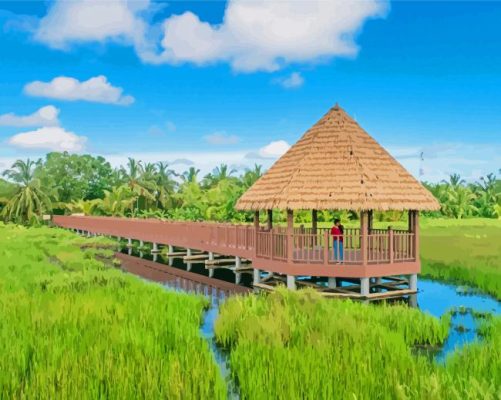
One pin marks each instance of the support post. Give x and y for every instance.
(141, 244)
(391, 244)
(291, 282)
(364, 240)
(326, 247)
(171, 248)
(290, 236)
(256, 229)
(413, 282)
(314, 220)
(238, 275)
(256, 220)
(332, 284)
(129, 243)
(269, 220)
(364, 286)
(257, 275)
(188, 265)
(415, 230)
(370, 221)
(211, 270)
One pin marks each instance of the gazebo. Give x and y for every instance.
(336, 165)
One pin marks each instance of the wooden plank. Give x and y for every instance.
(263, 286)
(196, 257)
(220, 261)
(392, 294)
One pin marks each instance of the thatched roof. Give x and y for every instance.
(337, 165)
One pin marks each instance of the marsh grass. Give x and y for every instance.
(299, 346)
(72, 328)
(466, 252)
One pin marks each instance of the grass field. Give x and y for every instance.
(296, 345)
(464, 252)
(72, 328)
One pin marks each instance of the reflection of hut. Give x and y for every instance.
(336, 165)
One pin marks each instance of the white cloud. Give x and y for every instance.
(221, 138)
(274, 149)
(49, 138)
(45, 116)
(254, 35)
(96, 89)
(70, 22)
(293, 81)
(265, 35)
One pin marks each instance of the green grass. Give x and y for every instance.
(73, 328)
(299, 346)
(464, 252)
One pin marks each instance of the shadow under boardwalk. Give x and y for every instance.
(176, 277)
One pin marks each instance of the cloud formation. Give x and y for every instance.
(293, 81)
(221, 138)
(258, 35)
(69, 22)
(271, 151)
(49, 138)
(96, 89)
(45, 116)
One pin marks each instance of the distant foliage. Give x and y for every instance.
(461, 200)
(70, 183)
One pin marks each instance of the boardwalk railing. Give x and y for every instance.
(304, 246)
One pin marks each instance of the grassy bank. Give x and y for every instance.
(464, 252)
(72, 328)
(298, 346)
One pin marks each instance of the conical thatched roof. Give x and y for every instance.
(337, 165)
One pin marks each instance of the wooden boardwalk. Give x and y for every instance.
(291, 255)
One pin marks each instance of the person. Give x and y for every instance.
(337, 232)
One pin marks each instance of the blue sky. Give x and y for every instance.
(209, 82)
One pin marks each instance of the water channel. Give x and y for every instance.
(433, 297)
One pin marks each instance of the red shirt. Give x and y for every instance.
(336, 232)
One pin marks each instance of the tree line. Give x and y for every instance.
(65, 183)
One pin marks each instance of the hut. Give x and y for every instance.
(336, 165)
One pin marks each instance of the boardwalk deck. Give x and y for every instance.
(273, 251)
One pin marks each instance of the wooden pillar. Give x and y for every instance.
(314, 219)
(256, 229)
(269, 221)
(256, 219)
(370, 221)
(391, 244)
(290, 235)
(363, 237)
(415, 230)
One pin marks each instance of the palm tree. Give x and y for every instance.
(134, 178)
(252, 175)
(166, 185)
(30, 200)
(190, 175)
(116, 202)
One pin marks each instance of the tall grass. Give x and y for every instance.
(464, 252)
(299, 346)
(72, 328)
